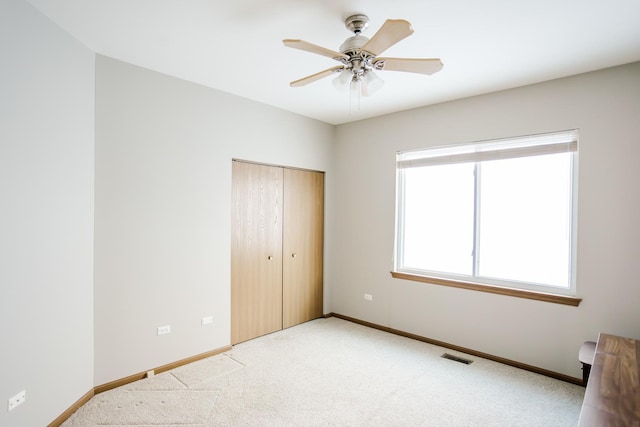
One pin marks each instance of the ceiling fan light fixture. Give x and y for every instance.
(371, 83)
(343, 80)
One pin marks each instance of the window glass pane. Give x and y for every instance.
(525, 219)
(438, 218)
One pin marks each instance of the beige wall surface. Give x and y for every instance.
(605, 107)
(163, 204)
(46, 216)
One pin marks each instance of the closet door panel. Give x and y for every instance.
(256, 252)
(302, 246)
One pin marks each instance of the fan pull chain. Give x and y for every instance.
(354, 94)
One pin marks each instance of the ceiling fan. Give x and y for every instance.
(359, 56)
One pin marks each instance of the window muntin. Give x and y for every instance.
(498, 212)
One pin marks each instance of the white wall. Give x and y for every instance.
(605, 106)
(46, 216)
(163, 191)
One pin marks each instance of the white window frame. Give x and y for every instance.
(477, 152)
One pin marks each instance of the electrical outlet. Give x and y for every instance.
(16, 400)
(207, 320)
(368, 297)
(164, 329)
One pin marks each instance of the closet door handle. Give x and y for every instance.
(293, 255)
(269, 257)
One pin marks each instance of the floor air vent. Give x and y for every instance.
(457, 359)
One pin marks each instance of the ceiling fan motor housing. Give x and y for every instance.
(353, 44)
(359, 61)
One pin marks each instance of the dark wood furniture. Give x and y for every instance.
(612, 397)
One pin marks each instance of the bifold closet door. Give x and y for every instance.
(256, 252)
(302, 246)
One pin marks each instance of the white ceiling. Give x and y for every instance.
(236, 45)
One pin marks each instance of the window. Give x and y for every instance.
(497, 213)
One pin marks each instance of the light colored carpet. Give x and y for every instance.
(330, 372)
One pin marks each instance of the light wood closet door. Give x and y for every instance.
(302, 246)
(256, 251)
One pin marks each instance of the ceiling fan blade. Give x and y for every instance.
(411, 65)
(317, 76)
(310, 47)
(391, 32)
